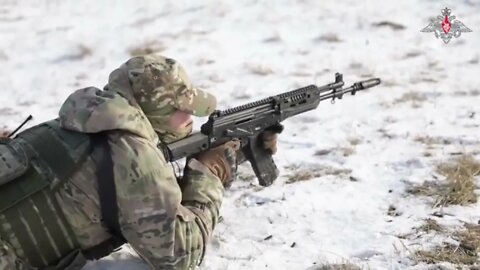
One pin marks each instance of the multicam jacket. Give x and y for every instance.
(166, 223)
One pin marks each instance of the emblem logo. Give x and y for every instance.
(445, 26)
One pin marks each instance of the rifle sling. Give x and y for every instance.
(106, 185)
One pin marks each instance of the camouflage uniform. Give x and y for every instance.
(166, 224)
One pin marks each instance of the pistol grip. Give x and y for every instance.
(262, 162)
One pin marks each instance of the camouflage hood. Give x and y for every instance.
(91, 110)
(152, 87)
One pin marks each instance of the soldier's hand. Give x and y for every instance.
(269, 139)
(221, 161)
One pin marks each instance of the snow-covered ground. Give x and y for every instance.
(362, 150)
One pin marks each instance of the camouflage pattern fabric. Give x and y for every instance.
(167, 225)
(160, 86)
(8, 258)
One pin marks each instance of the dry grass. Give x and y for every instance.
(460, 181)
(428, 140)
(259, 69)
(343, 151)
(336, 266)
(148, 47)
(354, 140)
(304, 174)
(446, 253)
(392, 25)
(465, 252)
(459, 187)
(245, 177)
(430, 225)
(414, 97)
(82, 51)
(329, 37)
(4, 133)
(428, 188)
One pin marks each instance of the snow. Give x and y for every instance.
(247, 50)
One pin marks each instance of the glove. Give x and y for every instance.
(221, 161)
(269, 139)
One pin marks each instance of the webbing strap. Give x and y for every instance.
(106, 184)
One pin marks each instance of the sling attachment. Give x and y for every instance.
(106, 185)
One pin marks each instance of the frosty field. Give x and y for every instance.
(347, 169)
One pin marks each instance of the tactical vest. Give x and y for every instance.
(32, 168)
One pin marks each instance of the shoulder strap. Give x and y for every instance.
(106, 184)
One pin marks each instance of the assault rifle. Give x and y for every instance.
(247, 122)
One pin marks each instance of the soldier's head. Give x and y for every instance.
(161, 88)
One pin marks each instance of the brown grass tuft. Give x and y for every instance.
(446, 253)
(428, 188)
(460, 181)
(259, 69)
(459, 187)
(336, 266)
(82, 51)
(465, 252)
(304, 174)
(428, 140)
(148, 47)
(245, 177)
(392, 25)
(414, 97)
(329, 37)
(344, 151)
(430, 225)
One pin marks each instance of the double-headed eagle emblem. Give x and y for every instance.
(445, 26)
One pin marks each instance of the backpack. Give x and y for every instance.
(33, 166)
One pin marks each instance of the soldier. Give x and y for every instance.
(57, 205)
